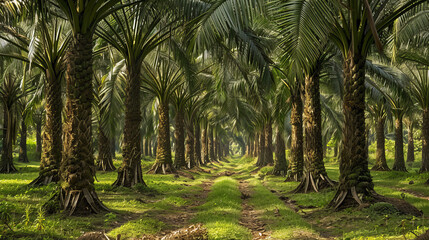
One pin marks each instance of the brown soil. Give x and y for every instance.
(192, 232)
(180, 217)
(249, 217)
(402, 205)
(226, 173)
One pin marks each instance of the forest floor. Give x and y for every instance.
(232, 199)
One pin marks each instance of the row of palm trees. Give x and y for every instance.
(227, 75)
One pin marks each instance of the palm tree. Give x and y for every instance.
(161, 79)
(77, 170)
(356, 26)
(10, 94)
(134, 33)
(47, 53)
(379, 112)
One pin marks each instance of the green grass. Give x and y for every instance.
(281, 220)
(222, 211)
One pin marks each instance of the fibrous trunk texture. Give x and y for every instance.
(212, 157)
(6, 164)
(219, 148)
(380, 156)
(130, 172)
(104, 160)
(399, 164)
(251, 147)
(355, 179)
(296, 165)
(197, 144)
(113, 147)
(410, 151)
(23, 143)
(255, 145)
(179, 135)
(52, 136)
(280, 165)
(189, 146)
(425, 141)
(315, 177)
(77, 169)
(39, 139)
(261, 149)
(163, 163)
(204, 140)
(268, 145)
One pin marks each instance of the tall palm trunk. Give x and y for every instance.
(425, 141)
(77, 169)
(104, 160)
(296, 165)
(197, 144)
(6, 164)
(212, 156)
(399, 164)
(189, 145)
(261, 149)
(218, 148)
(113, 147)
(255, 145)
(130, 172)
(268, 144)
(280, 165)
(380, 156)
(52, 136)
(23, 143)
(38, 139)
(163, 163)
(179, 135)
(355, 177)
(410, 151)
(251, 147)
(204, 140)
(315, 177)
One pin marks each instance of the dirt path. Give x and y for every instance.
(181, 216)
(249, 217)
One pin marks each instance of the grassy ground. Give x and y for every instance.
(216, 201)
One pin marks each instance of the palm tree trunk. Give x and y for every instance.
(6, 164)
(268, 144)
(280, 165)
(251, 146)
(163, 163)
(399, 164)
(179, 135)
(113, 147)
(38, 139)
(189, 145)
(77, 169)
(425, 141)
(197, 144)
(261, 149)
(410, 151)
(23, 143)
(380, 156)
(355, 177)
(212, 157)
(255, 145)
(296, 165)
(219, 148)
(315, 177)
(204, 140)
(52, 136)
(130, 172)
(104, 160)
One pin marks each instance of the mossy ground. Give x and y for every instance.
(144, 210)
